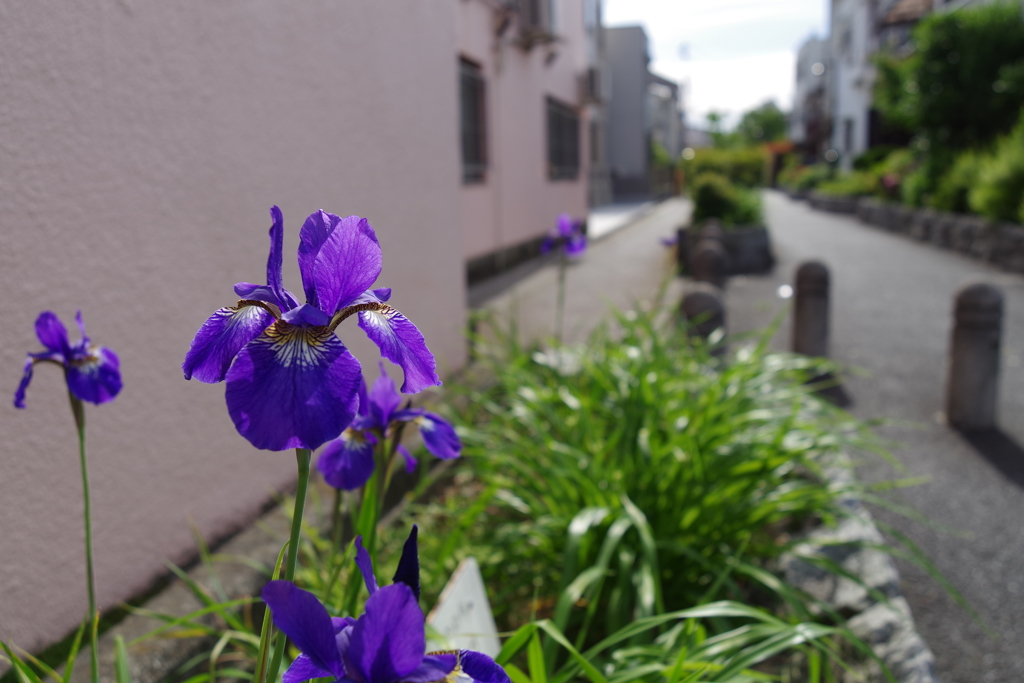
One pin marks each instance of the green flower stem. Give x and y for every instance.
(336, 523)
(78, 410)
(560, 306)
(302, 457)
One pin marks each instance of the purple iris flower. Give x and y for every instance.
(387, 644)
(92, 372)
(291, 383)
(347, 462)
(567, 233)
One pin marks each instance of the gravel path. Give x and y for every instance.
(891, 317)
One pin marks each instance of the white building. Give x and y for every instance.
(859, 28)
(810, 121)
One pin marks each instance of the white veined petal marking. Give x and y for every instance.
(86, 360)
(381, 317)
(457, 675)
(297, 346)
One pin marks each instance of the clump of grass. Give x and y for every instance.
(639, 475)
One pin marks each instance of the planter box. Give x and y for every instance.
(748, 248)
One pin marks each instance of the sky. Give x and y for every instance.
(729, 55)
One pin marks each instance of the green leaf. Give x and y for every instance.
(535, 660)
(121, 666)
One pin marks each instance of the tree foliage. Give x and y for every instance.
(963, 84)
(766, 123)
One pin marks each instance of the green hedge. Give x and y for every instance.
(746, 167)
(715, 197)
(999, 189)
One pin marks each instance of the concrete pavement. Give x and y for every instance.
(625, 267)
(892, 304)
(892, 301)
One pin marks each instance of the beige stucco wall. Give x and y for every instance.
(141, 145)
(517, 201)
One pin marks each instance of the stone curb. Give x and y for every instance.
(152, 660)
(887, 626)
(1000, 243)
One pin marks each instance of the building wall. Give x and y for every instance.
(853, 77)
(517, 201)
(813, 51)
(664, 114)
(627, 110)
(143, 144)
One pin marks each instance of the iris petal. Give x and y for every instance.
(303, 669)
(52, 333)
(365, 565)
(439, 436)
(384, 399)
(81, 326)
(348, 262)
(94, 375)
(481, 668)
(576, 245)
(26, 378)
(408, 571)
(410, 459)
(293, 387)
(307, 315)
(402, 343)
(347, 462)
(220, 339)
(565, 225)
(432, 668)
(315, 231)
(275, 260)
(248, 290)
(301, 616)
(388, 640)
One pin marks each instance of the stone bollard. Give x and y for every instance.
(712, 230)
(810, 310)
(811, 327)
(702, 309)
(974, 358)
(682, 249)
(709, 262)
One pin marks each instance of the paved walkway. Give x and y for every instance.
(625, 267)
(891, 316)
(606, 219)
(892, 303)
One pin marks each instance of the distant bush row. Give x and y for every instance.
(988, 181)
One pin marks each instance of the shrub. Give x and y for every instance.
(810, 177)
(745, 166)
(715, 197)
(857, 183)
(1000, 182)
(632, 473)
(952, 193)
(872, 157)
(963, 84)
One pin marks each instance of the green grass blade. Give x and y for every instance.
(122, 669)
